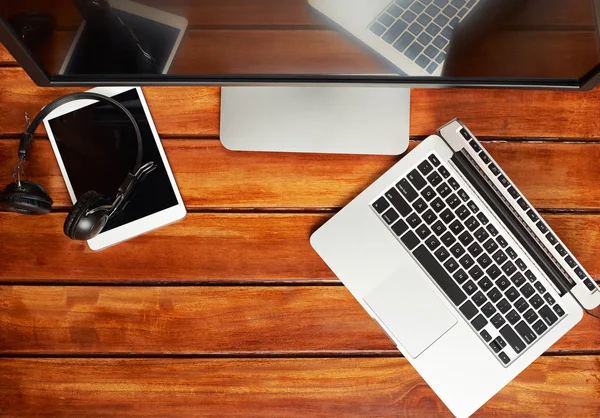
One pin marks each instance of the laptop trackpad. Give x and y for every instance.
(411, 310)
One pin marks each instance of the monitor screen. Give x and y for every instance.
(512, 42)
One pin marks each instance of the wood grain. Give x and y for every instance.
(204, 320)
(208, 247)
(204, 171)
(551, 387)
(191, 111)
(5, 57)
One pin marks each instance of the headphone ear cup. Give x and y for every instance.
(82, 227)
(27, 198)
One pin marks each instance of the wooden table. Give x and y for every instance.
(230, 312)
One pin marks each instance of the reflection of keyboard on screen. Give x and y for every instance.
(421, 29)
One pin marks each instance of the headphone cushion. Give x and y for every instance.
(27, 198)
(87, 201)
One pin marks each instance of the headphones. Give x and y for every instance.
(93, 210)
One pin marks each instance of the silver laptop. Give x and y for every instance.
(412, 34)
(457, 267)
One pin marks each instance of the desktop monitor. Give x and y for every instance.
(308, 75)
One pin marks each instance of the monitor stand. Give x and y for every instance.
(339, 120)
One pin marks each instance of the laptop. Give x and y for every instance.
(458, 268)
(414, 35)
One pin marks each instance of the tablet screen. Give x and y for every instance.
(98, 147)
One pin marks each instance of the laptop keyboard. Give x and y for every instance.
(421, 29)
(472, 263)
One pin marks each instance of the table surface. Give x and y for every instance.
(230, 312)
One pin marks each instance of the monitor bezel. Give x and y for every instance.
(39, 76)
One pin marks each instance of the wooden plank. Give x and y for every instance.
(198, 320)
(551, 387)
(206, 247)
(191, 111)
(5, 57)
(203, 170)
(194, 111)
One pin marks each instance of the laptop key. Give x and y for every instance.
(527, 291)
(394, 31)
(509, 268)
(381, 205)
(495, 347)
(518, 280)
(490, 246)
(513, 317)
(420, 205)
(451, 265)
(378, 29)
(447, 216)
(523, 204)
(456, 227)
(484, 334)
(530, 276)
(410, 240)
(503, 306)
(453, 201)
(488, 309)
(494, 295)
(433, 29)
(540, 287)
(386, 20)
(485, 284)
(424, 38)
(559, 311)
(521, 305)
(500, 341)
(512, 339)
(422, 231)
(417, 7)
(390, 216)
(442, 254)
(423, 61)
(444, 190)
(561, 250)
(484, 261)
(549, 299)
(479, 298)
(476, 272)
(469, 310)
(548, 315)
(439, 275)
(481, 234)
(472, 223)
(438, 204)
(453, 183)
(466, 261)
(525, 332)
(432, 242)
(400, 227)
(460, 276)
(457, 250)
(497, 321)
(492, 230)
(394, 10)
(428, 193)
(589, 284)
(398, 202)
(499, 257)
(438, 228)
(462, 212)
(465, 238)
(504, 357)
(444, 172)
(448, 239)
(530, 316)
(571, 262)
(537, 302)
(478, 323)
(551, 238)
(512, 294)
(482, 218)
(539, 327)
(414, 50)
(404, 41)
(429, 217)
(475, 249)
(521, 264)
(463, 195)
(407, 190)
(470, 287)
(502, 283)
(501, 241)
(493, 272)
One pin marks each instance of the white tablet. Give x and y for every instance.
(96, 147)
(160, 32)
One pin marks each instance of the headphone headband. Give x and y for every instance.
(27, 137)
